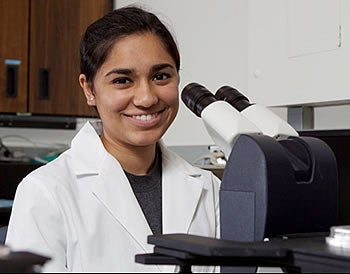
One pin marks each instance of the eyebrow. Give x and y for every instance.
(153, 69)
(159, 67)
(120, 71)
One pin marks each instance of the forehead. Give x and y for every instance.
(138, 50)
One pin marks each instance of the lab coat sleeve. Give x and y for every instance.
(36, 225)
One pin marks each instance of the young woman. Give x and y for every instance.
(92, 208)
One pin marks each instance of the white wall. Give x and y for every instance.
(299, 51)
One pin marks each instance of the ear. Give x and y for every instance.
(86, 86)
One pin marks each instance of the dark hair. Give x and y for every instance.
(100, 36)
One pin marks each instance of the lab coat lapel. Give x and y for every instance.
(182, 189)
(113, 189)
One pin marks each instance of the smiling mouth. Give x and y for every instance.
(146, 117)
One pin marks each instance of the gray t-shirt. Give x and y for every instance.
(148, 191)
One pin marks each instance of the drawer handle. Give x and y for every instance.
(11, 81)
(44, 83)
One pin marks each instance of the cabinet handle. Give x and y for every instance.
(44, 83)
(11, 81)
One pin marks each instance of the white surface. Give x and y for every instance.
(339, 237)
(318, 73)
(29, 137)
(312, 26)
(268, 122)
(224, 124)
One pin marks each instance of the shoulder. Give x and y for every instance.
(56, 172)
(85, 153)
(56, 168)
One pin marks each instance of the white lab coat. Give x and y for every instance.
(81, 211)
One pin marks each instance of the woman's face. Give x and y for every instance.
(135, 91)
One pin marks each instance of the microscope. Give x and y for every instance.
(275, 183)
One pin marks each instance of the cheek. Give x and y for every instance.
(112, 102)
(170, 98)
(175, 102)
(176, 105)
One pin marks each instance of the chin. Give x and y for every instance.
(146, 140)
(145, 143)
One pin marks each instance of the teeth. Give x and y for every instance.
(147, 117)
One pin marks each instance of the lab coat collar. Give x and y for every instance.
(181, 184)
(88, 150)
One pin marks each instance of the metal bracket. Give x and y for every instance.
(301, 117)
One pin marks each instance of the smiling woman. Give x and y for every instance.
(136, 95)
(92, 208)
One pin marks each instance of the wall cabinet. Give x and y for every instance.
(39, 54)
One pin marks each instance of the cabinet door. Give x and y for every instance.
(56, 29)
(14, 16)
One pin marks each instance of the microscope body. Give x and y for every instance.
(272, 188)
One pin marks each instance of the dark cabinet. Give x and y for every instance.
(39, 54)
(14, 39)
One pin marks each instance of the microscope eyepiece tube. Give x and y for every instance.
(196, 97)
(268, 122)
(233, 96)
(223, 122)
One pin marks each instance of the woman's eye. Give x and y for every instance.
(161, 76)
(121, 81)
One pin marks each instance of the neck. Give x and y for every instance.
(133, 159)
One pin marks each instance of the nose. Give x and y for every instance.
(145, 96)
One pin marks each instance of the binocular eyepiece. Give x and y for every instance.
(196, 97)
